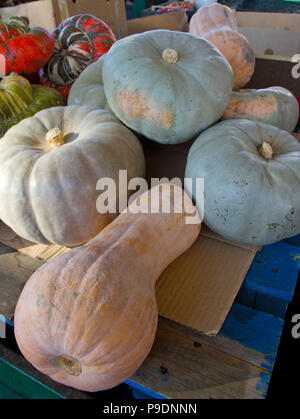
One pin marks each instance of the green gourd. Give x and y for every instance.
(19, 99)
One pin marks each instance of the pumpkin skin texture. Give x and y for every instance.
(251, 177)
(274, 105)
(88, 89)
(79, 41)
(25, 49)
(48, 183)
(108, 286)
(216, 23)
(19, 99)
(166, 85)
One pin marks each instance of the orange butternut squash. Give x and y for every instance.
(88, 318)
(216, 23)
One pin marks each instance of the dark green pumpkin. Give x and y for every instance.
(19, 99)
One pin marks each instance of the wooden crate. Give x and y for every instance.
(183, 363)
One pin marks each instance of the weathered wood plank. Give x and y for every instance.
(15, 269)
(178, 368)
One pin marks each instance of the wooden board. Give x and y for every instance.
(184, 363)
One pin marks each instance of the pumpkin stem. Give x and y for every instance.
(70, 365)
(266, 150)
(55, 137)
(170, 55)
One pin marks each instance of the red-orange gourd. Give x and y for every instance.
(88, 318)
(216, 23)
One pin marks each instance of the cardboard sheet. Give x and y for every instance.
(173, 21)
(276, 34)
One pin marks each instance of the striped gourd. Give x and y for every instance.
(79, 41)
(19, 99)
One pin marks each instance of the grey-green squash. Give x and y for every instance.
(88, 89)
(50, 165)
(166, 85)
(274, 105)
(251, 174)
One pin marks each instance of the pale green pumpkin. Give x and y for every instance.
(251, 177)
(88, 89)
(166, 85)
(50, 165)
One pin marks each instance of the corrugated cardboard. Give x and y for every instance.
(111, 11)
(50, 13)
(39, 13)
(275, 38)
(173, 21)
(275, 34)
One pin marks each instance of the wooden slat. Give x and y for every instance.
(177, 367)
(15, 269)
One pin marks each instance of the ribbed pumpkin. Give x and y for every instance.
(166, 85)
(88, 89)
(217, 24)
(251, 172)
(79, 41)
(24, 49)
(88, 317)
(19, 99)
(50, 165)
(274, 105)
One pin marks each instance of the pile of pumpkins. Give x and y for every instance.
(88, 318)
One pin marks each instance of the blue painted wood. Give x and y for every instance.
(144, 390)
(295, 240)
(255, 330)
(274, 271)
(137, 394)
(262, 302)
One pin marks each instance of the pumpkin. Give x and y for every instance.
(88, 318)
(24, 49)
(50, 165)
(251, 174)
(166, 85)
(274, 105)
(88, 89)
(79, 41)
(19, 99)
(216, 23)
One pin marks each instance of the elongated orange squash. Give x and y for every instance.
(216, 23)
(88, 317)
